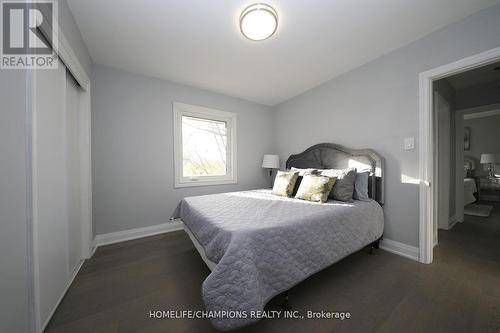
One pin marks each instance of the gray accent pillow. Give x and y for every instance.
(361, 186)
(344, 187)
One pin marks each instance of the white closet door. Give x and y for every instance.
(57, 225)
(51, 187)
(73, 176)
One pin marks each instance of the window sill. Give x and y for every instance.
(205, 183)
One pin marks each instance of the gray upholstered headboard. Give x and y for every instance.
(333, 156)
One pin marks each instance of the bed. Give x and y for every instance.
(258, 245)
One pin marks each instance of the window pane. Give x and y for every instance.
(204, 144)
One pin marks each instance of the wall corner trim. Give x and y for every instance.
(93, 248)
(401, 249)
(125, 235)
(453, 222)
(59, 300)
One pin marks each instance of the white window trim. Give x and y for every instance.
(181, 109)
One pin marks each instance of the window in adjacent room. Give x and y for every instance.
(204, 146)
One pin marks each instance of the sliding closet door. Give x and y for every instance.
(73, 176)
(51, 213)
(56, 182)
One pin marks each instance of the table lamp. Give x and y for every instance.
(271, 162)
(491, 160)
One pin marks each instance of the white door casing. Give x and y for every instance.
(426, 141)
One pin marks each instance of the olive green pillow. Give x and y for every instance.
(284, 183)
(302, 173)
(315, 188)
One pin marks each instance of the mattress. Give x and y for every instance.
(210, 264)
(262, 244)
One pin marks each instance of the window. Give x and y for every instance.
(204, 146)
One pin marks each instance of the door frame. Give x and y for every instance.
(70, 60)
(427, 174)
(438, 101)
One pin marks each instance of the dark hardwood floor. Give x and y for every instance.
(459, 292)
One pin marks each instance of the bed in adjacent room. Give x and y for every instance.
(258, 244)
(470, 183)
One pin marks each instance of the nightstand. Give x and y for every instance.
(490, 189)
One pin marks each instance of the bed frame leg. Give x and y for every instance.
(375, 245)
(286, 305)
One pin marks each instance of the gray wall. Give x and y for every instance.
(376, 105)
(133, 147)
(485, 138)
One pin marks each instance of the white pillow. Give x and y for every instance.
(303, 172)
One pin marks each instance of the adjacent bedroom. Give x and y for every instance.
(239, 166)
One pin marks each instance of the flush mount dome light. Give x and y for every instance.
(258, 21)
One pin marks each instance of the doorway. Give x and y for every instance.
(429, 195)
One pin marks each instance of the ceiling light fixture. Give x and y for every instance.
(258, 21)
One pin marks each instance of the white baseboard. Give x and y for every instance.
(125, 235)
(112, 238)
(73, 275)
(93, 248)
(401, 249)
(453, 221)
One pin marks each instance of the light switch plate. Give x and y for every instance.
(409, 143)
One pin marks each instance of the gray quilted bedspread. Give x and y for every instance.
(264, 244)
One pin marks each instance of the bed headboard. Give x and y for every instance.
(333, 156)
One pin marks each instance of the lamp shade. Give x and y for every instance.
(271, 161)
(490, 158)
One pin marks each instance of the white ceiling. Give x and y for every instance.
(198, 43)
(474, 77)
